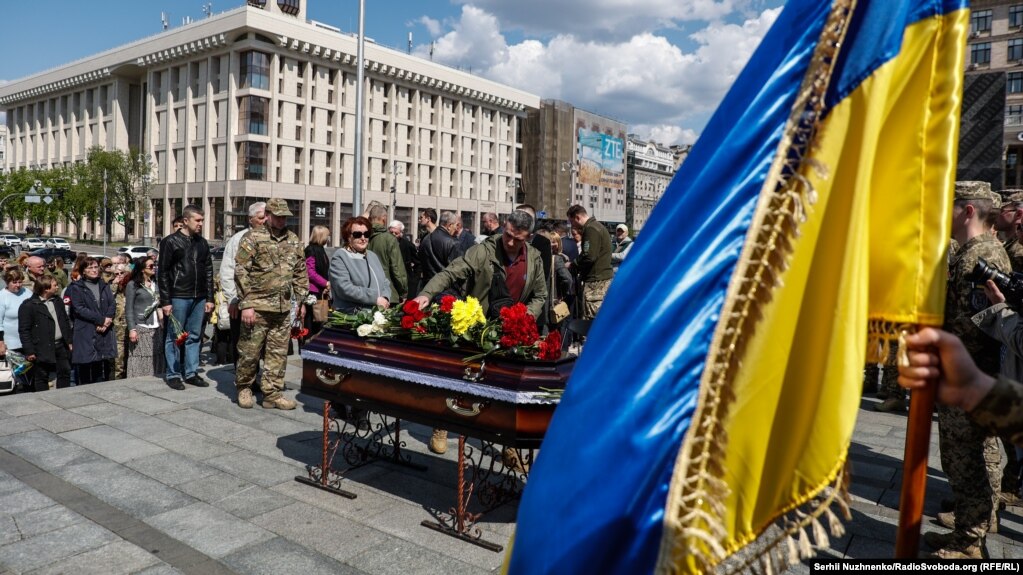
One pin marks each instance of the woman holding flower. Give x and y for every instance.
(92, 311)
(357, 279)
(142, 315)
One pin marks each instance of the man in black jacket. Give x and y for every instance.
(439, 247)
(185, 278)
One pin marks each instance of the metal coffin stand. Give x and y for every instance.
(498, 401)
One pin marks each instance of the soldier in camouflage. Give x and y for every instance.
(967, 453)
(121, 271)
(270, 274)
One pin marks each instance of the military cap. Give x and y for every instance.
(966, 190)
(996, 201)
(278, 207)
(1012, 196)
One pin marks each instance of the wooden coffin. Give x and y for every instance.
(500, 400)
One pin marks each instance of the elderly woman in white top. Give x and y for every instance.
(11, 298)
(357, 279)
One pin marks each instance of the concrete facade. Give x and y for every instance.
(257, 103)
(651, 167)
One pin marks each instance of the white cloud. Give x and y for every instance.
(610, 19)
(643, 80)
(432, 26)
(666, 134)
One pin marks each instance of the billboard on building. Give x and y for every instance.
(601, 159)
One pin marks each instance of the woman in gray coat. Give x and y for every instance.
(142, 316)
(357, 279)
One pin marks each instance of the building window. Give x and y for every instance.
(253, 112)
(980, 53)
(255, 70)
(291, 7)
(1014, 115)
(1016, 16)
(980, 21)
(1015, 49)
(252, 161)
(1014, 82)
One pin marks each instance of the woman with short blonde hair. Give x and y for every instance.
(318, 266)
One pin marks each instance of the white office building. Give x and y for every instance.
(258, 102)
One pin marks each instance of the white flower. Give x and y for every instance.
(379, 321)
(310, 299)
(365, 329)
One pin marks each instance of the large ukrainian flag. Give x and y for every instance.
(718, 391)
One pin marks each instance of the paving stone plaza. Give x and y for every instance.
(133, 477)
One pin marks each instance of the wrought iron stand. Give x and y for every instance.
(359, 445)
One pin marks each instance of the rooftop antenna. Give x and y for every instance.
(163, 18)
(410, 42)
(431, 50)
(208, 9)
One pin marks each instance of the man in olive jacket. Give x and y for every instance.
(594, 262)
(507, 256)
(386, 247)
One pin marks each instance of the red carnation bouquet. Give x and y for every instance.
(180, 335)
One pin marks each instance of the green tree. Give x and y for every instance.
(81, 197)
(16, 183)
(124, 173)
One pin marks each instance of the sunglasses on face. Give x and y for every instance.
(150, 267)
(360, 235)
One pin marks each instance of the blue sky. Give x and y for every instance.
(662, 66)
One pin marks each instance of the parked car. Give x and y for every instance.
(33, 243)
(46, 253)
(11, 240)
(58, 243)
(135, 251)
(6, 251)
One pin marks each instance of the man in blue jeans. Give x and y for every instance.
(185, 279)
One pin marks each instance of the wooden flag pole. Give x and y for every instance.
(914, 471)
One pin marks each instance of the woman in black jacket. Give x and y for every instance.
(92, 310)
(45, 335)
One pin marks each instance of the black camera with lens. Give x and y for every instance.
(1010, 284)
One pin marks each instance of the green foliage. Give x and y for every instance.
(78, 190)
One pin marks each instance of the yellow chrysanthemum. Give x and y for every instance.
(465, 314)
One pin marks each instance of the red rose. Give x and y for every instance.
(446, 303)
(421, 329)
(410, 307)
(551, 348)
(407, 322)
(180, 341)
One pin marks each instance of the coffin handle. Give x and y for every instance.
(330, 377)
(477, 407)
(475, 376)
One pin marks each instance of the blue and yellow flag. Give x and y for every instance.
(719, 387)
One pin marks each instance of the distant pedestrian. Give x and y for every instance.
(92, 314)
(45, 333)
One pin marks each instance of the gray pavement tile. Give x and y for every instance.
(864, 547)
(51, 547)
(117, 558)
(14, 425)
(67, 400)
(283, 556)
(114, 391)
(145, 403)
(146, 384)
(403, 521)
(399, 557)
(161, 569)
(171, 468)
(31, 523)
(60, 421)
(256, 468)
(208, 529)
(126, 489)
(211, 425)
(21, 500)
(111, 443)
(103, 411)
(47, 450)
(25, 404)
(194, 445)
(215, 487)
(253, 501)
(147, 427)
(369, 502)
(330, 534)
(8, 532)
(263, 420)
(280, 449)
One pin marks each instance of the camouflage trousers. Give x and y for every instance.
(889, 372)
(267, 338)
(120, 339)
(593, 296)
(970, 460)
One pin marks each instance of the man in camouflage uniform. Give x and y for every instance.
(1007, 224)
(270, 275)
(966, 450)
(593, 265)
(120, 322)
